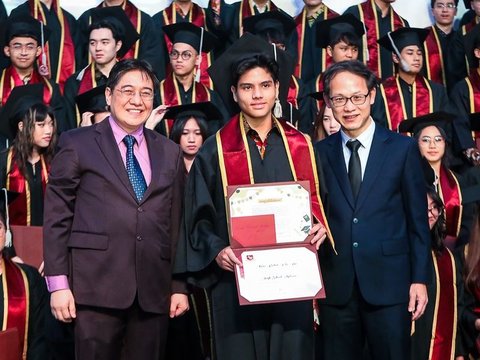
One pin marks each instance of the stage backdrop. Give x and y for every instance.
(417, 12)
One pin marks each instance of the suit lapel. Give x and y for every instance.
(337, 164)
(376, 158)
(108, 146)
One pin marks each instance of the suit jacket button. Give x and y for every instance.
(140, 209)
(355, 244)
(355, 220)
(139, 238)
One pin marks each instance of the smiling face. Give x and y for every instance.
(354, 119)
(129, 105)
(431, 144)
(255, 93)
(22, 51)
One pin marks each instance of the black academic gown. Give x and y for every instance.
(38, 296)
(54, 40)
(273, 331)
(150, 46)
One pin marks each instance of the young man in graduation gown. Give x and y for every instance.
(341, 38)
(407, 94)
(253, 147)
(187, 11)
(275, 27)
(311, 60)
(437, 45)
(182, 85)
(379, 18)
(63, 53)
(147, 47)
(111, 35)
(375, 276)
(22, 47)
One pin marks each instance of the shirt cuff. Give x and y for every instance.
(57, 282)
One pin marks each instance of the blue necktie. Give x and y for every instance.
(133, 169)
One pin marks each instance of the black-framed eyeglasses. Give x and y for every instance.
(186, 55)
(358, 99)
(129, 93)
(449, 6)
(435, 210)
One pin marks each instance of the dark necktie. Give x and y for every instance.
(133, 169)
(354, 167)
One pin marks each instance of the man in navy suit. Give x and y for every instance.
(375, 277)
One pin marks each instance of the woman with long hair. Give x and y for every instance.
(325, 124)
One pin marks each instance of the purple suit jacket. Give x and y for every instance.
(110, 246)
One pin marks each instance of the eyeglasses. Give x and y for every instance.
(338, 101)
(435, 210)
(186, 55)
(27, 47)
(427, 140)
(449, 6)
(129, 93)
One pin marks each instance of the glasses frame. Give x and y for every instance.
(185, 55)
(129, 94)
(346, 99)
(449, 6)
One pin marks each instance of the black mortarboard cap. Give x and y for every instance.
(117, 17)
(19, 101)
(277, 20)
(23, 25)
(326, 30)
(414, 125)
(206, 110)
(188, 33)
(404, 37)
(222, 70)
(317, 95)
(92, 100)
(469, 40)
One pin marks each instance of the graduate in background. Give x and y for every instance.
(92, 106)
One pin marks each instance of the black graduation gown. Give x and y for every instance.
(54, 40)
(270, 331)
(36, 346)
(150, 46)
(446, 43)
(71, 91)
(384, 26)
(421, 339)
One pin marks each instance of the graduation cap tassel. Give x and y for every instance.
(404, 65)
(43, 68)
(8, 233)
(198, 74)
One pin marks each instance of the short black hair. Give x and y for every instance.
(347, 37)
(352, 66)
(127, 65)
(259, 60)
(180, 123)
(117, 33)
(432, 3)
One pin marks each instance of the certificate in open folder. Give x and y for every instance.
(269, 226)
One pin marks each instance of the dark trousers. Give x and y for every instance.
(111, 334)
(346, 330)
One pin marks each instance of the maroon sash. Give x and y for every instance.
(170, 95)
(15, 301)
(434, 57)
(88, 81)
(293, 91)
(452, 198)
(246, 10)
(391, 92)
(301, 24)
(444, 331)
(235, 163)
(20, 208)
(10, 78)
(368, 15)
(66, 52)
(196, 16)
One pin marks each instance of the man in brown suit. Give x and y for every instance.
(112, 215)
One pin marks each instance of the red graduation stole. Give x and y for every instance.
(395, 103)
(465, 29)
(302, 23)
(66, 52)
(20, 208)
(246, 10)
(170, 95)
(10, 78)
(452, 198)
(368, 15)
(236, 165)
(434, 57)
(444, 331)
(196, 16)
(15, 301)
(88, 81)
(473, 85)
(293, 91)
